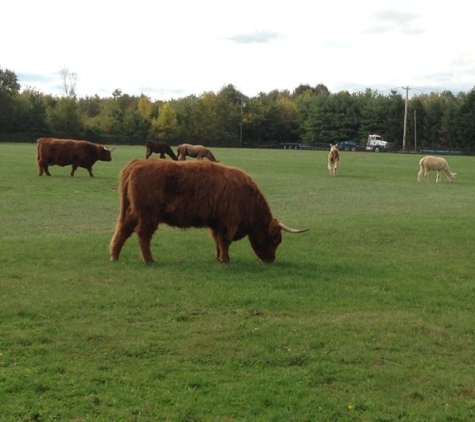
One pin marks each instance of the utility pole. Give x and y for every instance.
(405, 119)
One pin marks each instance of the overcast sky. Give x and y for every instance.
(174, 48)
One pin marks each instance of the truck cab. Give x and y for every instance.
(376, 143)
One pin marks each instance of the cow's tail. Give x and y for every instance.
(124, 194)
(125, 200)
(38, 149)
(124, 227)
(39, 161)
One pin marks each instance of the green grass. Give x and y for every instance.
(366, 317)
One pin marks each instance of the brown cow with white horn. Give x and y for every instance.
(66, 152)
(194, 194)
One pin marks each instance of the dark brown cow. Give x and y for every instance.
(161, 148)
(194, 194)
(67, 152)
(194, 151)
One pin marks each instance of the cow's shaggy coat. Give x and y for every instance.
(194, 151)
(439, 164)
(194, 194)
(69, 152)
(333, 160)
(161, 148)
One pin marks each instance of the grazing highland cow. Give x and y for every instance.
(333, 160)
(194, 151)
(438, 164)
(161, 148)
(194, 194)
(67, 152)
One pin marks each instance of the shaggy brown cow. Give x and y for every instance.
(66, 152)
(161, 148)
(194, 151)
(194, 194)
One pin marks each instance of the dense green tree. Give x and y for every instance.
(135, 127)
(145, 108)
(65, 120)
(9, 89)
(32, 112)
(111, 118)
(287, 111)
(90, 106)
(9, 82)
(302, 89)
(229, 103)
(464, 129)
(259, 123)
(308, 106)
(270, 119)
(197, 119)
(341, 117)
(446, 124)
(321, 89)
(205, 119)
(393, 123)
(165, 126)
(416, 118)
(432, 115)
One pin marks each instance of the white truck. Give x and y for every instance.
(376, 143)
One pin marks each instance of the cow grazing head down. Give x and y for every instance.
(161, 148)
(195, 194)
(195, 151)
(439, 164)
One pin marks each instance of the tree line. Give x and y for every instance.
(308, 115)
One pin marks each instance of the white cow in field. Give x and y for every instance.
(333, 160)
(438, 164)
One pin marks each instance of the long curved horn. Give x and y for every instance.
(288, 229)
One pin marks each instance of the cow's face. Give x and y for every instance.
(265, 241)
(105, 154)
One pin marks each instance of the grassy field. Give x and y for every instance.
(366, 317)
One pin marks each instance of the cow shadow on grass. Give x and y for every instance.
(240, 269)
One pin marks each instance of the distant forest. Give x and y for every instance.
(307, 115)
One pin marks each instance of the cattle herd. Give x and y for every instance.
(178, 193)
(190, 194)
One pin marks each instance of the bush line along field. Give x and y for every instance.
(366, 317)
